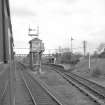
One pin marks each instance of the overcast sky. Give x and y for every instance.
(58, 21)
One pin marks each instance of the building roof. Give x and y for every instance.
(35, 39)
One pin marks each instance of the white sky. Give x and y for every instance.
(58, 21)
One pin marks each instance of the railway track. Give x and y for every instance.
(22, 94)
(38, 94)
(93, 90)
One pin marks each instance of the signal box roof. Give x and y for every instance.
(35, 39)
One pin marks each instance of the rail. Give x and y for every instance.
(94, 90)
(40, 95)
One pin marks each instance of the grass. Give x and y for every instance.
(96, 72)
(97, 67)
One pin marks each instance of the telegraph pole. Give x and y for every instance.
(84, 47)
(89, 61)
(71, 45)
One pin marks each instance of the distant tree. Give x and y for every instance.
(66, 57)
(95, 54)
(101, 55)
(78, 55)
(101, 50)
(101, 46)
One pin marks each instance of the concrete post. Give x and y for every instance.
(31, 60)
(89, 62)
(40, 63)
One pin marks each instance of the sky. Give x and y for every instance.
(58, 21)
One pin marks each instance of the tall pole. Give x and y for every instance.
(84, 47)
(40, 63)
(31, 56)
(71, 45)
(38, 30)
(89, 61)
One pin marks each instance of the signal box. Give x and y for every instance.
(36, 50)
